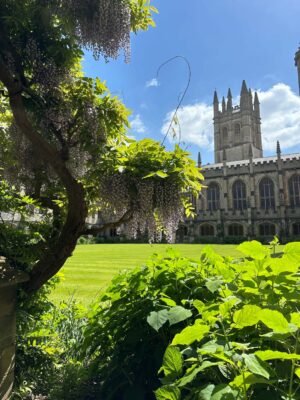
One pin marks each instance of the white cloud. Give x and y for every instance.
(196, 125)
(280, 113)
(152, 83)
(137, 125)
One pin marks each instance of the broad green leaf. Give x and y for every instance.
(297, 372)
(283, 265)
(172, 362)
(247, 379)
(247, 316)
(199, 305)
(222, 392)
(255, 365)
(191, 334)
(161, 174)
(191, 376)
(212, 347)
(274, 320)
(226, 307)
(295, 319)
(274, 355)
(156, 319)
(292, 251)
(178, 314)
(213, 285)
(205, 393)
(254, 249)
(168, 301)
(168, 393)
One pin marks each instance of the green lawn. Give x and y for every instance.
(92, 266)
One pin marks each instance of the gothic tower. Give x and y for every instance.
(297, 63)
(237, 128)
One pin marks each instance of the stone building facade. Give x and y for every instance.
(246, 195)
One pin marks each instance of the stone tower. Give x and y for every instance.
(237, 128)
(297, 63)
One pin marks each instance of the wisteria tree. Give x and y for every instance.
(64, 151)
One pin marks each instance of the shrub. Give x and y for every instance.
(244, 342)
(47, 348)
(125, 351)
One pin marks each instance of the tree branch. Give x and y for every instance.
(56, 256)
(94, 230)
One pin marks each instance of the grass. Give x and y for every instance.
(92, 266)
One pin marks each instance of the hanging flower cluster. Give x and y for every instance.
(102, 26)
(152, 183)
(44, 71)
(156, 205)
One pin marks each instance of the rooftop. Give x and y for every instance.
(262, 160)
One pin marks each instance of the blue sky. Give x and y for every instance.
(225, 42)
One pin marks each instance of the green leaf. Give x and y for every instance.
(297, 372)
(205, 393)
(191, 376)
(161, 174)
(247, 379)
(168, 393)
(213, 285)
(255, 365)
(199, 305)
(178, 314)
(226, 307)
(274, 355)
(295, 319)
(254, 249)
(156, 319)
(292, 251)
(191, 334)
(274, 320)
(222, 392)
(168, 301)
(247, 316)
(172, 362)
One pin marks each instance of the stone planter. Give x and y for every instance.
(9, 280)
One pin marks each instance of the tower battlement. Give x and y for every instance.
(237, 129)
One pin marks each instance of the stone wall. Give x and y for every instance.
(9, 280)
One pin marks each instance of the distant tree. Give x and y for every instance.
(64, 151)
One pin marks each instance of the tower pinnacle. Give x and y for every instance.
(223, 104)
(199, 159)
(256, 105)
(278, 149)
(245, 99)
(229, 100)
(216, 104)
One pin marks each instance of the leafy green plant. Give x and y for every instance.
(125, 352)
(244, 342)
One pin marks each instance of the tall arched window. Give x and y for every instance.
(294, 190)
(237, 133)
(225, 136)
(207, 230)
(213, 197)
(296, 228)
(235, 230)
(267, 229)
(239, 194)
(266, 191)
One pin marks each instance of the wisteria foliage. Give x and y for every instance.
(83, 122)
(102, 26)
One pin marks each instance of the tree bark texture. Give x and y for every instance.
(74, 225)
(8, 289)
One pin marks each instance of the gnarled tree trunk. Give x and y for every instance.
(9, 281)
